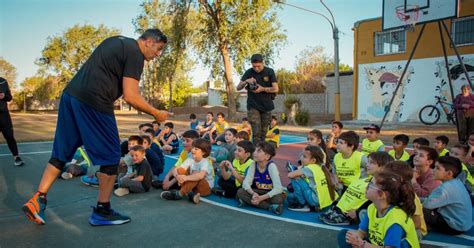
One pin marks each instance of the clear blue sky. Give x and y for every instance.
(25, 26)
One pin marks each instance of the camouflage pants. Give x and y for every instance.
(260, 121)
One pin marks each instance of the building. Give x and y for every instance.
(380, 57)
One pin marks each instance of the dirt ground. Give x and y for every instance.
(40, 126)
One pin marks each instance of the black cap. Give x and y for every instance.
(256, 58)
(373, 127)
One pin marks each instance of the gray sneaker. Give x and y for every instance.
(276, 208)
(19, 162)
(122, 191)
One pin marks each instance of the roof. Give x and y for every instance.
(341, 73)
(357, 23)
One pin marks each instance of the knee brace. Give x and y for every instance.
(57, 163)
(111, 170)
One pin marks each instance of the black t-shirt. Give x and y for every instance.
(261, 101)
(144, 169)
(99, 81)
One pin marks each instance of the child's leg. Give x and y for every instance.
(244, 196)
(299, 187)
(133, 186)
(228, 186)
(202, 188)
(436, 222)
(276, 199)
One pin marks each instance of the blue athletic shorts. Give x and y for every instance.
(79, 124)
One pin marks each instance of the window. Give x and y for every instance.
(463, 31)
(390, 42)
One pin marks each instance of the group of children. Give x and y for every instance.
(394, 196)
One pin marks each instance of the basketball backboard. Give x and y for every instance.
(400, 13)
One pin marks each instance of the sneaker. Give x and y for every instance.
(299, 208)
(290, 167)
(34, 210)
(90, 180)
(66, 175)
(218, 191)
(157, 184)
(241, 203)
(170, 195)
(194, 197)
(276, 208)
(103, 218)
(121, 191)
(336, 219)
(19, 162)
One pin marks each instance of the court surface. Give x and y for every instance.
(216, 222)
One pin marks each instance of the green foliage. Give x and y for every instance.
(344, 67)
(225, 102)
(284, 118)
(64, 54)
(290, 101)
(202, 102)
(302, 117)
(8, 71)
(39, 88)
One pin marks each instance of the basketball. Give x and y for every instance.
(221, 154)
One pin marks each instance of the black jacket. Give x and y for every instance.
(8, 95)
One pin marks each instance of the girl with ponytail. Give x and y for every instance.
(312, 184)
(388, 221)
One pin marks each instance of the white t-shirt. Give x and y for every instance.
(203, 165)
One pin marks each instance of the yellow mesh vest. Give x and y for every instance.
(354, 196)
(275, 138)
(321, 185)
(220, 128)
(443, 153)
(182, 156)
(468, 175)
(405, 155)
(348, 170)
(369, 147)
(240, 168)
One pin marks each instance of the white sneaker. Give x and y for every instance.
(121, 191)
(66, 175)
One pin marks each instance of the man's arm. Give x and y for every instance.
(132, 96)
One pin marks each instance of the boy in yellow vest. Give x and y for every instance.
(460, 152)
(353, 200)
(233, 173)
(273, 133)
(400, 142)
(348, 162)
(440, 145)
(372, 143)
(216, 135)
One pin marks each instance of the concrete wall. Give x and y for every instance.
(346, 90)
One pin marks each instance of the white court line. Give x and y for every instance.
(324, 226)
(31, 143)
(24, 153)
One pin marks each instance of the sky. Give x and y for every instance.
(25, 26)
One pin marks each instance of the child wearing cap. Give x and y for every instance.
(372, 143)
(440, 145)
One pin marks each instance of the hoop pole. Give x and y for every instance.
(448, 73)
(403, 74)
(457, 53)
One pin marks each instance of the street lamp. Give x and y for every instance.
(335, 36)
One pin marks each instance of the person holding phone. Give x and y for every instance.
(6, 125)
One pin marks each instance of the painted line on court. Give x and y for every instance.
(328, 227)
(24, 153)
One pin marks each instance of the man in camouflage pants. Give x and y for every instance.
(261, 84)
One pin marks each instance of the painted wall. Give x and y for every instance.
(425, 79)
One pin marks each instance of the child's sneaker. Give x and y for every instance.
(34, 209)
(90, 180)
(170, 195)
(336, 219)
(276, 208)
(218, 191)
(19, 162)
(66, 175)
(157, 184)
(194, 197)
(299, 208)
(241, 203)
(110, 217)
(290, 167)
(121, 191)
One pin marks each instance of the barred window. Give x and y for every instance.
(390, 42)
(463, 31)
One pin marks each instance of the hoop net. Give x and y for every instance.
(408, 18)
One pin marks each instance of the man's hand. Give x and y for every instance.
(2, 95)
(162, 115)
(259, 89)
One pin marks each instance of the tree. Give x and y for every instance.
(8, 71)
(231, 32)
(286, 80)
(64, 54)
(172, 18)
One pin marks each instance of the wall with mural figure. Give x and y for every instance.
(425, 79)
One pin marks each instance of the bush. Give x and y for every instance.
(284, 118)
(302, 117)
(202, 102)
(289, 101)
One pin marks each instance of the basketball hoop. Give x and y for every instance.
(408, 14)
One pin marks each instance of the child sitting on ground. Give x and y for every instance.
(372, 142)
(262, 186)
(245, 126)
(313, 138)
(217, 132)
(139, 181)
(349, 164)
(400, 142)
(461, 152)
(440, 145)
(386, 223)
(233, 173)
(168, 139)
(152, 158)
(241, 135)
(312, 185)
(353, 201)
(273, 133)
(418, 142)
(448, 208)
(78, 165)
(423, 179)
(154, 146)
(193, 121)
(195, 176)
(225, 150)
(156, 128)
(169, 182)
(332, 138)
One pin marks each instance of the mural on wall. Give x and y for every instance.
(457, 76)
(381, 83)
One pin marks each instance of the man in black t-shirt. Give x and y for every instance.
(86, 117)
(261, 84)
